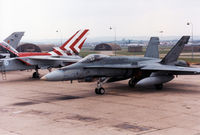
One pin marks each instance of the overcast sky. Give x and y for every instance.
(41, 18)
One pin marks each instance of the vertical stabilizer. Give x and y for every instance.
(152, 48)
(14, 39)
(73, 45)
(175, 52)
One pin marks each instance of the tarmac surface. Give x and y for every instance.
(35, 107)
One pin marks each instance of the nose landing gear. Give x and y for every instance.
(100, 90)
(132, 82)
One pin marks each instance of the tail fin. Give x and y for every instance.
(152, 48)
(14, 39)
(174, 53)
(73, 45)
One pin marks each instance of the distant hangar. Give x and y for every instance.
(135, 48)
(107, 47)
(29, 47)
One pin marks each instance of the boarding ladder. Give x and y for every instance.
(2, 70)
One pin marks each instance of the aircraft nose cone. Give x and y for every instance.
(56, 75)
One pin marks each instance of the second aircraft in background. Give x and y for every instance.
(59, 57)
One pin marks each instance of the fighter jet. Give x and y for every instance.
(142, 71)
(59, 57)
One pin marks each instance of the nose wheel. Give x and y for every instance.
(100, 90)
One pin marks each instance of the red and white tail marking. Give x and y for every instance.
(72, 45)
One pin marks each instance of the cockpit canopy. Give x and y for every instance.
(92, 58)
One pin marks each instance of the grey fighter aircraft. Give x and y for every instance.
(142, 71)
(59, 57)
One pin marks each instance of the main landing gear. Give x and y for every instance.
(132, 82)
(100, 90)
(36, 74)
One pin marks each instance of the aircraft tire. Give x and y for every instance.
(35, 75)
(101, 91)
(131, 83)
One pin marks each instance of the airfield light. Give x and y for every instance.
(114, 36)
(189, 23)
(59, 31)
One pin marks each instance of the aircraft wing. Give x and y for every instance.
(48, 58)
(43, 61)
(113, 66)
(175, 70)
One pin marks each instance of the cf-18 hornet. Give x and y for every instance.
(142, 71)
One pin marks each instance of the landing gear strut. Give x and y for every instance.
(159, 86)
(36, 74)
(100, 90)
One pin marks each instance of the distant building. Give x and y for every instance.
(46, 47)
(29, 47)
(107, 47)
(134, 48)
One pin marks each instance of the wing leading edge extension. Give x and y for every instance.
(113, 66)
